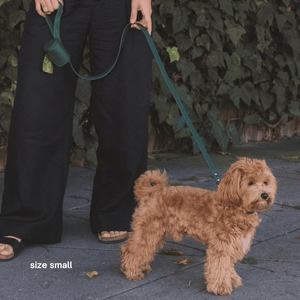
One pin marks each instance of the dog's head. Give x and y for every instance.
(248, 183)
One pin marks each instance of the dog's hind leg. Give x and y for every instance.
(139, 250)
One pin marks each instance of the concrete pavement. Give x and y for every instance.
(275, 251)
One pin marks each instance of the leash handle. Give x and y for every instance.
(59, 55)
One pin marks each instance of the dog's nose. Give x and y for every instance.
(264, 196)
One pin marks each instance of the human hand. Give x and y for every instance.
(145, 7)
(47, 6)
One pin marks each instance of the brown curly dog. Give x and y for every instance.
(225, 220)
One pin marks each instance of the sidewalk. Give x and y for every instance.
(276, 248)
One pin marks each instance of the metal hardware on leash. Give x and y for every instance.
(59, 56)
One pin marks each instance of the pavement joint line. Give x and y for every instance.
(288, 206)
(157, 279)
(275, 237)
(297, 296)
(85, 249)
(186, 246)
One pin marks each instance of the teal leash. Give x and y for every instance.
(58, 55)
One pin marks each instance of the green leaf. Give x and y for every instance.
(223, 89)
(294, 108)
(193, 178)
(173, 54)
(162, 106)
(226, 5)
(280, 20)
(180, 20)
(186, 68)
(83, 91)
(183, 42)
(197, 7)
(234, 30)
(253, 62)
(7, 97)
(217, 21)
(204, 41)
(15, 17)
(26, 4)
(196, 79)
(196, 52)
(166, 7)
(249, 261)
(262, 37)
(202, 19)
(279, 90)
(235, 95)
(213, 59)
(12, 73)
(173, 114)
(292, 38)
(233, 134)
(234, 67)
(47, 65)
(218, 129)
(266, 99)
(265, 12)
(193, 32)
(3, 1)
(13, 60)
(249, 88)
(183, 133)
(157, 74)
(201, 109)
(216, 39)
(159, 41)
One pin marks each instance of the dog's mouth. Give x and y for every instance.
(261, 204)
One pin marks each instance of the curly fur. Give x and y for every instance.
(225, 220)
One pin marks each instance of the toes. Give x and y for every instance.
(105, 234)
(6, 250)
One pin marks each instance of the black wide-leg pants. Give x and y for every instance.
(41, 125)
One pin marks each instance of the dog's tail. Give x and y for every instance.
(148, 183)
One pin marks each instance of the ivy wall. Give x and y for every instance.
(242, 53)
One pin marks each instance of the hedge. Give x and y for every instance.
(217, 52)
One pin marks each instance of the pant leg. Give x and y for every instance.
(120, 107)
(41, 130)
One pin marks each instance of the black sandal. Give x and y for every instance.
(17, 246)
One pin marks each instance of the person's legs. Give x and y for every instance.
(120, 106)
(41, 131)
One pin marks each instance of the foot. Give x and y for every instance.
(112, 236)
(6, 251)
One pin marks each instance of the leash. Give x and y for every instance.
(58, 55)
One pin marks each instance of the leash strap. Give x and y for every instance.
(59, 56)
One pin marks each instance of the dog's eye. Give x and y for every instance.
(266, 182)
(251, 183)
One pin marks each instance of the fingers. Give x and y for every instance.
(145, 7)
(47, 6)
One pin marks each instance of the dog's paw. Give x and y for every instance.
(236, 281)
(134, 275)
(222, 289)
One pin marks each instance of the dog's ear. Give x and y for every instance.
(229, 187)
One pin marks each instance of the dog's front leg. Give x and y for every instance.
(220, 274)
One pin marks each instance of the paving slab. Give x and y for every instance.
(276, 247)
